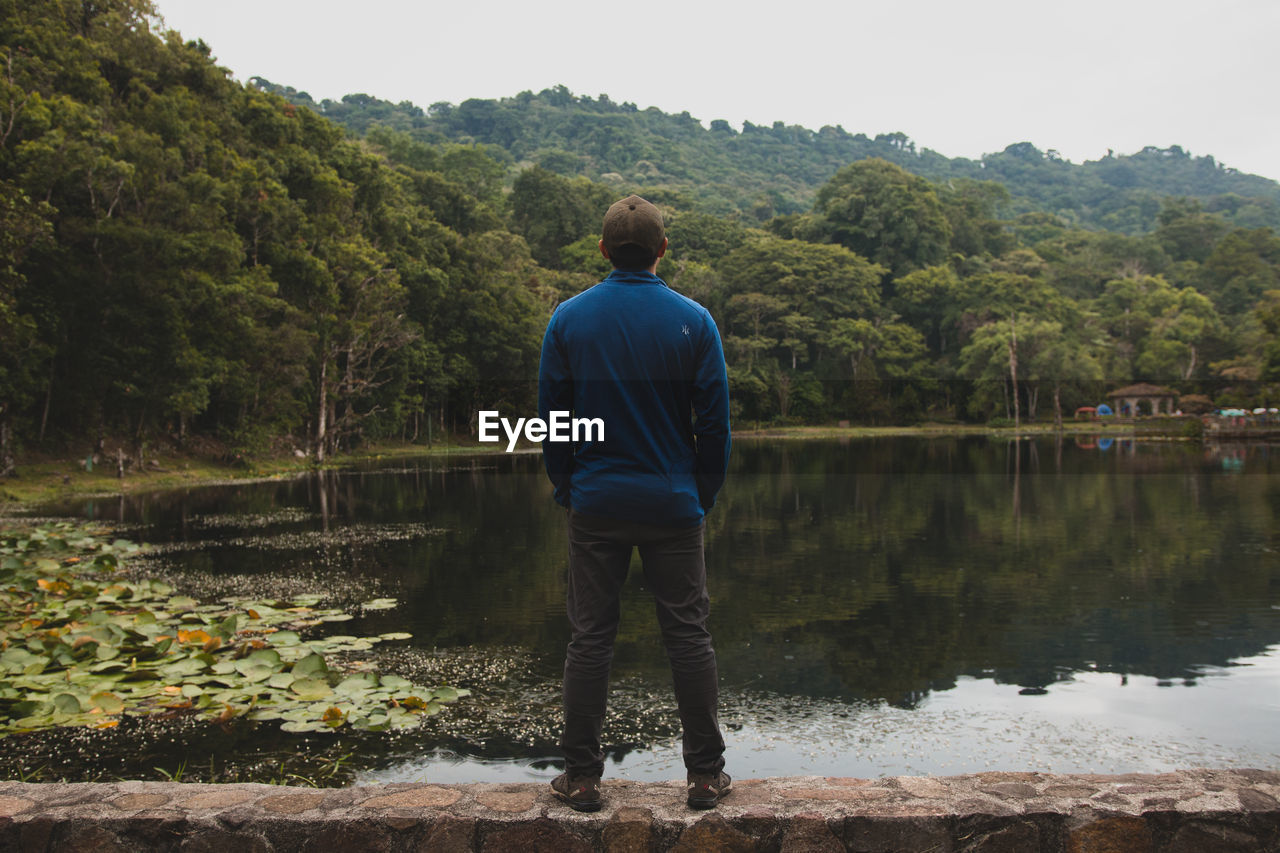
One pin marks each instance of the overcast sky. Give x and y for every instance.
(963, 77)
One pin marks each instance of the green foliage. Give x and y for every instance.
(210, 258)
(185, 255)
(1241, 268)
(83, 647)
(882, 212)
(767, 171)
(552, 211)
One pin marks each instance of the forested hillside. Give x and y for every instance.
(187, 258)
(762, 171)
(185, 254)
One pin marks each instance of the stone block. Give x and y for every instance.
(712, 834)
(13, 805)
(1257, 801)
(291, 803)
(1217, 838)
(213, 840)
(506, 801)
(1010, 790)
(1019, 837)
(88, 837)
(35, 833)
(450, 834)
(366, 836)
(424, 797)
(809, 833)
(139, 802)
(630, 830)
(536, 836)
(864, 834)
(216, 799)
(1112, 835)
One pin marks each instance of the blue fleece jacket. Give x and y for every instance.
(649, 363)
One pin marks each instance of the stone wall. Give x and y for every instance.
(1195, 811)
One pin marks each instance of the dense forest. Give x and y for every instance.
(759, 172)
(186, 258)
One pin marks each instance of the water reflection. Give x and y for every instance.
(991, 601)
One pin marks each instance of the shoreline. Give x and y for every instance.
(53, 479)
(46, 480)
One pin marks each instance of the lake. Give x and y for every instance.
(880, 606)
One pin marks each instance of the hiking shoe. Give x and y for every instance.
(707, 789)
(582, 793)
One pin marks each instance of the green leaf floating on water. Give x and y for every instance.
(66, 703)
(311, 688)
(81, 646)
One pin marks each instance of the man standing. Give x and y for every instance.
(649, 363)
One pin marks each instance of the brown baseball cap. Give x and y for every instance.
(633, 220)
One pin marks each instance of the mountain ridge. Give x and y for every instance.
(762, 171)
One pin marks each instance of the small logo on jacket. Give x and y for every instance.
(685, 328)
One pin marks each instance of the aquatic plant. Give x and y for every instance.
(82, 646)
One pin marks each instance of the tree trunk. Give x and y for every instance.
(322, 409)
(44, 415)
(334, 435)
(138, 440)
(1013, 369)
(7, 464)
(1057, 407)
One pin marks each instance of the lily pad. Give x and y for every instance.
(80, 650)
(445, 694)
(66, 703)
(109, 703)
(303, 727)
(312, 664)
(311, 688)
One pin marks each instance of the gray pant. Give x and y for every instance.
(599, 556)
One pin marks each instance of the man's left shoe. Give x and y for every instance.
(582, 793)
(707, 789)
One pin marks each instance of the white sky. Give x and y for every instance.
(963, 77)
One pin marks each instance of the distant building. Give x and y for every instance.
(1128, 400)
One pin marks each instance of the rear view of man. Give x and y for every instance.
(648, 362)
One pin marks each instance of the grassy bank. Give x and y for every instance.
(927, 430)
(47, 479)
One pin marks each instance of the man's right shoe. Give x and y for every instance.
(707, 789)
(582, 793)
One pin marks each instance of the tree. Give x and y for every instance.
(1186, 232)
(972, 209)
(1243, 266)
(884, 213)
(552, 212)
(1268, 311)
(1157, 331)
(932, 300)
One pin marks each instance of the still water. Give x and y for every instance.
(879, 607)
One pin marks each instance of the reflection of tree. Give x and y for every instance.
(881, 568)
(904, 558)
